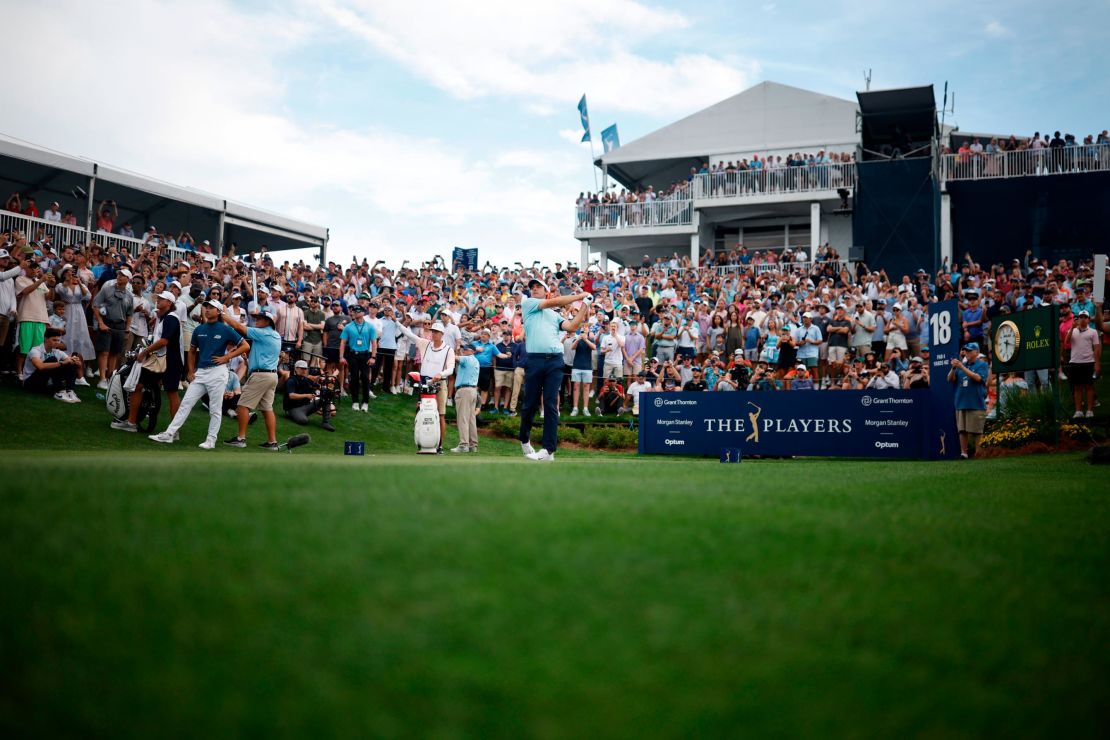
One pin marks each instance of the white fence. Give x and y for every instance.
(635, 215)
(61, 235)
(1026, 163)
(750, 183)
(39, 229)
(780, 267)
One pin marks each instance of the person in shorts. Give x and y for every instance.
(969, 375)
(1083, 342)
(262, 379)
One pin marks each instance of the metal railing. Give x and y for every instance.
(781, 267)
(635, 215)
(1026, 162)
(749, 183)
(63, 235)
(39, 229)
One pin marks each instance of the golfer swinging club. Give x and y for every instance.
(544, 373)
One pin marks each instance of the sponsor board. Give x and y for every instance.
(800, 423)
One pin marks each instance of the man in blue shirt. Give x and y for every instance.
(466, 392)
(258, 393)
(543, 376)
(207, 363)
(970, 378)
(358, 349)
(484, 352)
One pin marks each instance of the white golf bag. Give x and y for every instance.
(426, 428)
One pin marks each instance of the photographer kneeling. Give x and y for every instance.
(305, 395)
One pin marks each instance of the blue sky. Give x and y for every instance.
(408, 128)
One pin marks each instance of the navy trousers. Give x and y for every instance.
(542, 379)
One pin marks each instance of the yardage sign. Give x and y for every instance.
(945, 335)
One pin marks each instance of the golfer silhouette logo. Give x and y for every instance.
(942, 449)
(754, 436)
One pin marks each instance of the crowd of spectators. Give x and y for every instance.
(666, 326)
(107, 217)
(1033, 155)
(760, 174)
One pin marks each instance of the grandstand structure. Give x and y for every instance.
(884, 188)
(81, 185)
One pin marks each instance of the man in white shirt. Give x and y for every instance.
(612, 345)
(53, 213)
(143, 321)
(47, 367)
(634, 391)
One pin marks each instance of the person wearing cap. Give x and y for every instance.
(33, 290)
(897, 327)
(9, 271)
(333, 329)
(212, 346)
(312, 341)
(466, 392)
(969, 375)
(142, 321)
(800, 379)
(47, 367)
(358, 349)
(302, 399)
(262, 379)
(807, 338)
(161, 360)
(1084, 365)
(436, 359)
(544, 375)
(972, 318)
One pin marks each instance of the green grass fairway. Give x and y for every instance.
(155, 592)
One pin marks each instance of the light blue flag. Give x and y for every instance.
(585, 118)
(609, 139)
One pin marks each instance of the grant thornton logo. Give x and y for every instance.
(865, 400)
(658, 403)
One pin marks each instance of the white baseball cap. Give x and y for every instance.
(165, 295)
(4, 253)
(126, 273)
(437, 326)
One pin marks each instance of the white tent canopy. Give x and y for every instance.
(766, 118)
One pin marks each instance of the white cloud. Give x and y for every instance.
(547, 52)
(207, 107)
(996, 29)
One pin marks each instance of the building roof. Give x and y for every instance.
(767, 117)
(165, 194)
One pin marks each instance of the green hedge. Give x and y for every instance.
(603, 438)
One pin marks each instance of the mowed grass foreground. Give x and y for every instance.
(155, 592)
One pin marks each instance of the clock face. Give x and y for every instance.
(1006, 341)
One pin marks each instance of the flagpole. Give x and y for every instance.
(593, 157)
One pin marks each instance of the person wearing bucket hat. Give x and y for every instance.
(437, 362)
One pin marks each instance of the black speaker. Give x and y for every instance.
(1099, 455)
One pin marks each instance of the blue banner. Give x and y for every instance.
(584, 114)
(464, 259)
(889, 423)
(945, 335)
(610, 140)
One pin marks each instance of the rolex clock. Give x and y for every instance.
(1007, 338)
